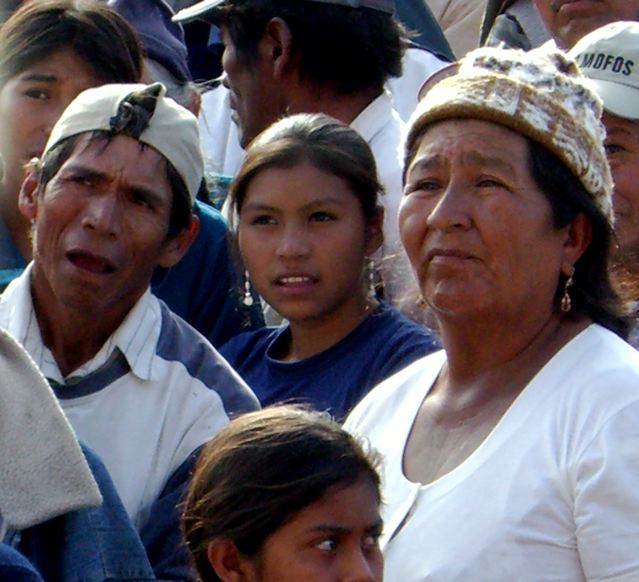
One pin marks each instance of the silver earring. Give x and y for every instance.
(248, 297)
(370, 267)
(566, 304)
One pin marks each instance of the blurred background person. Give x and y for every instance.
(568, 20)
(609, 57)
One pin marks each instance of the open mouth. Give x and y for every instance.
(91, 263)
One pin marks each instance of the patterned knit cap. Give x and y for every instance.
(539, 94)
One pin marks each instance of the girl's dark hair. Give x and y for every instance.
(326, 143)
(260, 470)
(592, 293)
(94, 31)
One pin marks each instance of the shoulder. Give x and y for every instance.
(402, 390)
(181, 343)
(212, 223)
(397, 331)
(248, 344)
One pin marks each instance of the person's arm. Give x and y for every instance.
(605, 478)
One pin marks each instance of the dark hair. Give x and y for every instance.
(592, 293)
(94, 31)
(326, 143)
(349, 49)
(181, 207)
(260, 470)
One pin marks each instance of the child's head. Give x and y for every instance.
(274, 474)
(323, 142)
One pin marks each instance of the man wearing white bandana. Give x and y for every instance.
(110, 200)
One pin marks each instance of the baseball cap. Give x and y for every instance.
(609, 57)
(171, 129)
(206, 9)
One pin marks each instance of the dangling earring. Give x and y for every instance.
(370, 268)
(566, 304)
(248, 297)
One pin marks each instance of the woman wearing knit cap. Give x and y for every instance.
(513, 454)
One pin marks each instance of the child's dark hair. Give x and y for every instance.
(260, 470)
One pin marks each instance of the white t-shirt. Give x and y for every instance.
(552, 494)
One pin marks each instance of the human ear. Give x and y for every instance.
(578, 237)
(28, 197)
(228, 562)
(374, 231)
(276, 46)
(176, 247)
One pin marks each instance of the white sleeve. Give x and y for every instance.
(606, 503)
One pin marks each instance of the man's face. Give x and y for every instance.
(255, 99)
(569, 20)
(101, 227)
(622, 147)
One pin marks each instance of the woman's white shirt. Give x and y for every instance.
(551, 494)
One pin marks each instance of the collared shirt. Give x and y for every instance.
(154, 392)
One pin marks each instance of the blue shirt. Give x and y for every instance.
(337, 378)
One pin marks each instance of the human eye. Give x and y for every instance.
(613, 148)
(322, 216)
(326, 544)
(36, 93)
(142, 199)
(79, 178)
(262, 220)
(423, 185)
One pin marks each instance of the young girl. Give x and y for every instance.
(284, 495)
(308, 221)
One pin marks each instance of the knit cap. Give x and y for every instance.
(539, 94)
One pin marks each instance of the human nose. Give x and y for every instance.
(451, 210)
(293, 242)
(360, 566)
(102, 215)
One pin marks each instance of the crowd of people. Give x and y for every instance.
(360, 304)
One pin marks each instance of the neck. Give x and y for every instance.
(313, 336)
(345, 108)
(485, 352)
(74, 335)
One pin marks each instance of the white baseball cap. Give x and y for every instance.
(609, 57)
(170, 129)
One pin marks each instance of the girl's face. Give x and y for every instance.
(303, 239)
(334, 539)
(30, 104)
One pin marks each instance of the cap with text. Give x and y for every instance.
(609, 57)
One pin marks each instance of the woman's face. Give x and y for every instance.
(303, 239)
(30, 104)
(334, 539)
(477, 229)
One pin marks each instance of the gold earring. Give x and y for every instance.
(566, 304)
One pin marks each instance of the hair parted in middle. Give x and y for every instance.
(260, 470)
(325, 142)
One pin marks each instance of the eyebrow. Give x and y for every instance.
(260, 206)
(429, 162)
(91, 173)
(39, 77)
(377, 526)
